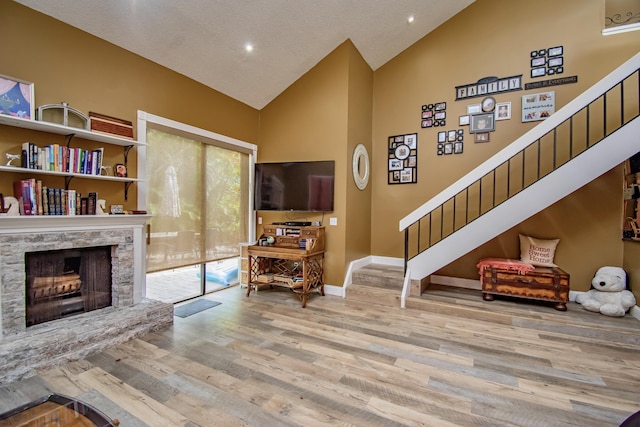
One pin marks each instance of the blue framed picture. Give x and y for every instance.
(16, 98)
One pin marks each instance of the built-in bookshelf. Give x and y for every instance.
(71, 136)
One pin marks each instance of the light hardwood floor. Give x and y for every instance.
(456, 361)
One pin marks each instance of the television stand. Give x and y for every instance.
(295, 260)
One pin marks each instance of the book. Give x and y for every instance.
(38, 195)
(51, 196)
(45, 200)
(58, 200)
(22, 190)
(92, 202)
(26, 155)
(97, 156)
(71, 202)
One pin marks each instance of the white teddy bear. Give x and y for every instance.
(609, 294)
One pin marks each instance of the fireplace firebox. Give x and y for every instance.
(62, 283)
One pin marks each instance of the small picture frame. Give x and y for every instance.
(426, 123)
(481, 137)
(427, 114)
(440, 106)
(442, 137)
(395, 165)
(488, 104)
(474, 109)
(538, 62)
(538, 72)
(440, 115)
(448, 148)
(452, 136)
(555, 62)
(120, 170)
(503, 111)
(457, 148)
(482, 123)
(555, 51)
(463, 121)
(18, 98)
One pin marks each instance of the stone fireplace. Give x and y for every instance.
(24, 348)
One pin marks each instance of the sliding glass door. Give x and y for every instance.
(198, 192)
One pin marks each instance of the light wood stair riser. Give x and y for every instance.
(377, 284)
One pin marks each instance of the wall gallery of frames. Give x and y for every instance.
(481, 117)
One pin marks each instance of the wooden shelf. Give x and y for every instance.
(16, 169)
(65, 130)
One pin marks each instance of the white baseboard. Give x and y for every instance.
(334, 290)
(456, 282)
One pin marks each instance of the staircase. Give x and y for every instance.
(588, 137)
(376, 284)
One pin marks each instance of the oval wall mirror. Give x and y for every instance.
(361, 166)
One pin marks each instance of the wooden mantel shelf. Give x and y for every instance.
(12, 224)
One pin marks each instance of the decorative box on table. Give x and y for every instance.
(516, 279)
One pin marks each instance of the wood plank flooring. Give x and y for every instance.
(454, 360)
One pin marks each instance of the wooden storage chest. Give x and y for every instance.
(543, 283)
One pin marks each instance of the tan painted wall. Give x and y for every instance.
(619, 12)
(66, 64)
(495, 38)
(632, 267)
(308, 121)
(358, 212)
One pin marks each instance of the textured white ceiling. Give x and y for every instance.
(205, 39)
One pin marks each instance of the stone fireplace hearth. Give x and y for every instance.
(26, 348)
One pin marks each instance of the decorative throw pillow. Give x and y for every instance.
(538, 252)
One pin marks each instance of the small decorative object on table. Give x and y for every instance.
(110, 125)
(117, 210)
(11, 158)
(120, 170)
(64, 115)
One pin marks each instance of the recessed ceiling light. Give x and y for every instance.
(248, 47)
(410, 19)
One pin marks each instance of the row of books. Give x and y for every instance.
(60, 158)
(37, 199)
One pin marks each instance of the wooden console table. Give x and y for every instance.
(294, 260)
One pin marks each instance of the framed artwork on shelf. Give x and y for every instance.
(16, 98)
(482, 123)
(120, 170)
(503, 111)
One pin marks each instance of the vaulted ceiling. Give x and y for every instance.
(207, 40)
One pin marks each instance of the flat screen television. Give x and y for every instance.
(294, 186)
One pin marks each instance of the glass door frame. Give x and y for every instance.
(147, 120)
